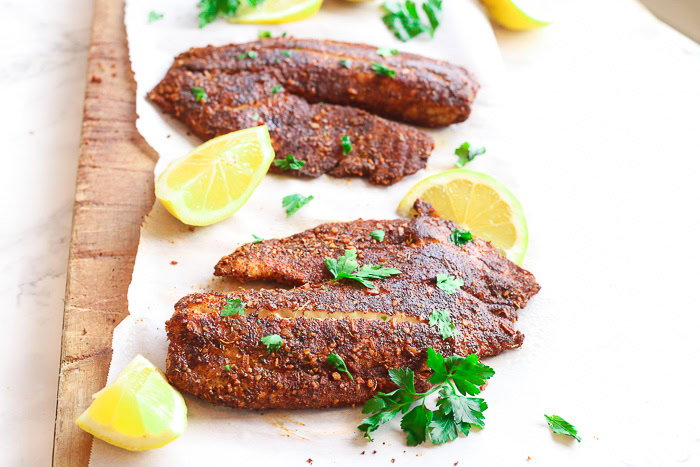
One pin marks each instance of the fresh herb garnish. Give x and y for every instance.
(255, 3)
(449, 284)
(467, 154)
(386, 52)
(346, 267)
(154, 16)
(289, 163)
(213, 8)
(337, 361)
(344, 63)
(227, 367)
(276, 89)
(257, 239)
(293, 203)
(287, 53)
(454, 378)
(199, 94)
(378, 235)
(247, 54)
(562, 427)
(441, 320)
(256, 116)
(461, 236)
(347, 145)
(233, 307)
(264, 34)
(382, 70)
(272, 342)
(405, 22)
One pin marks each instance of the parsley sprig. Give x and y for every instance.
(233, 307)
(247, 54)
(272, 342)
(461, 236)
(289, 163)
(292, 203)
(257, 239)
(382, 70)
(346, 267)
(378, 235)
(199, 94)
(562, 427)
(406, 23)
(454, 378)
(347, 145)
(337, 361)
(442, 321)
(211, 9)
(448, 284)
(467, 153)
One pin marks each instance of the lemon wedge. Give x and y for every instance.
(216, 178)
(138, 411)
(276, 11)
(477, 202)
(517, 16)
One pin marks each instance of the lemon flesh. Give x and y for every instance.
(512, 15)
(216, 178)
(477, 202)
(138, 411)
(276, 11)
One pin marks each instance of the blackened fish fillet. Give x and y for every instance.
(222, 360)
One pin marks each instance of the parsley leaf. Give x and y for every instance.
(257, 239)
(449, 284)
(346, 267)
(287, 53)
(467, 154)
(272, 342)
(562, 427)
(289, 163)
(233, 307)
(406, 23)
(461, 236)
(386, 52)
(213, 8)
(264, 34)
(293, 203)
(382, 70)
(455, 413)
(154, 16)
(247, 54)
(276, 89)
(199, 94)
(255, 3)
(347, 145)
(227, 367)
(256, 116)
(337, 361)
(344, 63)
(378, 235)
(441, 320)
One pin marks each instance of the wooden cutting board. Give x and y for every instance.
(114, 192)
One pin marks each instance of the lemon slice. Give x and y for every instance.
(138, 411)
(217, 178)
(477, 202)
(276, 11)
(518, 16)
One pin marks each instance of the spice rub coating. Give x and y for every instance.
(373, 330)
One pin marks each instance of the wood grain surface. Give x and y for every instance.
(114, 191)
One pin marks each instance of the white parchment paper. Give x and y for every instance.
(569, 147)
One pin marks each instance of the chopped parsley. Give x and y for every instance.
(562, 427)
(276, 89)
(346, 267)
(337, 361)
(247, 54)
(378, 235)
(211, 9)
(386, 52)
(467, 154)
(264, 34)
(233, 307)
(347, 145)
(272, 342)
(257, 239)
(256, 116)
(454, 378)
(227, 367)
(382, 70)
(449, 284)
(461, 236)
(154, 16)
(403, 19)
(289, 163)
(441, 320)
(199, 94)
(293, 203)
(344, 63)
(287, 53)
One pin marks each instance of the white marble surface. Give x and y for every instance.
(43, 47)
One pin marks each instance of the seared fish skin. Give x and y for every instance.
(309, 101)
(373, 330)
